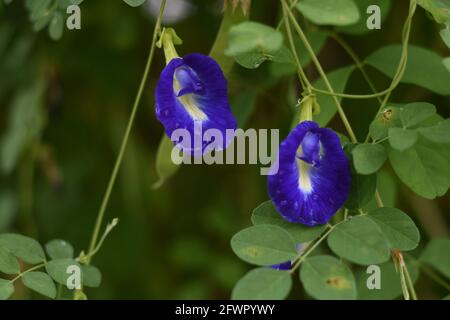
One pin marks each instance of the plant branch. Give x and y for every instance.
(101, 213)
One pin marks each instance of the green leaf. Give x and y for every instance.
(414, 113)
(439, 9)
(252, 36)
(362, 187)
(387, 187)
(91, 276)
(26, 121)
(445, 35)
(446, 63)
(230, 18)
(424, 168)
(387, 118)
(264, 245)
(8, 263)
(437, 255)
(327, 278)
(424, 67)
(134, 3)
(402, 139)
(283, 62)
(56, 26)
(59, 249)
(6, 289)
(251, 43)
(338, 79)
(40, 282)
(362, 190)
(439, 133)
(360, 27)
(368, 158)
(24, 248)
(38, 9)
(266, 213)
(330, 12)
(57, 269)
(165, 168)
(263, 284)
(398, 228)
(252, 60)
(390, 287)
(359, 240)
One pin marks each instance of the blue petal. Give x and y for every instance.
(283, 266)
(313, 177)
(192, 94)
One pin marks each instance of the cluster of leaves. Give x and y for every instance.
(414, 138)
(48, 14)
(359, 241)
(55, 268)
(51, 14)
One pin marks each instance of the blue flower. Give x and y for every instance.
(313, 177)
(192, 94)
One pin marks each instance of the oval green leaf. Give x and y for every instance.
(368, 158)
(165, 168)
(327, 278)
(330, 12)
(390, 287)
(266, 213)
(59, 249)
(40, 282)
(24, 248)
(56, 26)
(402, 139)
(264, 245)
(437, 255)
(412, 114)
(8, 263)
(134, 3)
(6, 289)
(398, 228)
(59, 269)
(439, 133)
(91, 276)
(359, 240)
(263, 284)
(424, 168)
(424, 67)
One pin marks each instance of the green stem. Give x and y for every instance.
(118, 162)
(321, 72)
(400, 68)
(310, 249)
(410, 283)
(26, 271)
(403, 284)
(283, 18)
(306, 85)
(356, 59)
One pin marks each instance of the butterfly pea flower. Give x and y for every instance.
(191, 94)
(313, 177)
